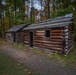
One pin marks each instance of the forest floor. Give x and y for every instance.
(40, 61)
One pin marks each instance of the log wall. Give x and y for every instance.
(61, 39)
(9, 37)
(54, 42)
(26, 37)
(19, 37)
(68, 37)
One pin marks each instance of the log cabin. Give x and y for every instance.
(15, 34)
(55, 34)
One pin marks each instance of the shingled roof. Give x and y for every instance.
(55, 22)
(17, 28)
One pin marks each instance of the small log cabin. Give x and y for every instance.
(15, 33)
(55, 34)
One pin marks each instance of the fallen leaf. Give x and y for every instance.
(18, 63)
(26, 70)
(29, 73)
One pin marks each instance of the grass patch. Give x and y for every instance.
(2, 41)
(68, 59)
(38, 51)
(9, 66)
(19, 46)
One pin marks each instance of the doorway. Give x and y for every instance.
(31, 39)
(14, 37)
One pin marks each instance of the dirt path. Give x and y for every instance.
(37, 62)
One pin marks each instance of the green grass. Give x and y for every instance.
(20, 46)
(69, 59)
(9, 66)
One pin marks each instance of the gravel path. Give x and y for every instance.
(37, 62)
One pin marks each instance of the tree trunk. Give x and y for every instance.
(23, 10)
(31, 11)
(48, 4)
(15, 12)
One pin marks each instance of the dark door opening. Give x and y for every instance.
(31, 39)
(14, 37)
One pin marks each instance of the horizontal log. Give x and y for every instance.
(48, 39)
(51, 48)
(25, 36)
(49, 42)
(26, 42)
(39, 34)
(53, 37)
(55, 46)
(56, 34)
(56, 40)
(37, 44)
(56, 31)
(39, 31)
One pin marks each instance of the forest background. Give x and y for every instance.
(15, 12)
